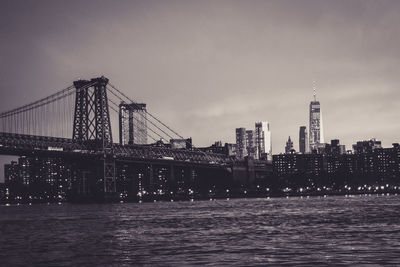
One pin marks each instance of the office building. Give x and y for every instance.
(316, 134)
(366, 146)
(218, 148)
(250, 144)
(241, 142)
(263, 140)
(334, 157)
(303, 140)
(304, 166)
(335, 148)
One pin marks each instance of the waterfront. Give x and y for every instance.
(332, 230)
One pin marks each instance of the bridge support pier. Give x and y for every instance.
(83, 183)
(109, 177)
(151, 177)
(172, 178)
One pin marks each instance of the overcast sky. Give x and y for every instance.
(208, 67)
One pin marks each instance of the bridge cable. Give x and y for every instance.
(17, 117)
(146, 119)
(113, 108)
(132, 101)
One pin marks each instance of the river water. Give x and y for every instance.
(247, 232)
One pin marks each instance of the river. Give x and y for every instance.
(335, 230)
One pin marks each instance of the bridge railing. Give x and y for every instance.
(32, 143)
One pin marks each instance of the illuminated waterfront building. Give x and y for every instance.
(366, 146)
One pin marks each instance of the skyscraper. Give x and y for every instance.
(316, 128)
(250, 143)
(289, 146)
(241, 142)
(303, 140)
(132, 124)
(263, 139)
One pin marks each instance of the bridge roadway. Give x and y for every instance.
(22, 144)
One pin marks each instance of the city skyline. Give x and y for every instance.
(188, 132)
(208, 67)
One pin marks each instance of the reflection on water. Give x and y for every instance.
(332, 230)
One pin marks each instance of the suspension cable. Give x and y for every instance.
(115, 109)
(132, 101)
(144, 118)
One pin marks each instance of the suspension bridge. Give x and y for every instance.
(76, 124)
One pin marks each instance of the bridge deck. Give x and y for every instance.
(20, 144)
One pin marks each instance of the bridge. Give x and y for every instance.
(75, 124)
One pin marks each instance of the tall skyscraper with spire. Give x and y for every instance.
(316, 133)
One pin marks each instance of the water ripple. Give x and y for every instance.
(241, 232)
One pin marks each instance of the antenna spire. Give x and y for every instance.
(315, 91)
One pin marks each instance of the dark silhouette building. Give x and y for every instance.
(11, 173)
(370, 164)
(366, 146)
(218, 148)
(251, 144)
(289, 146)
(39, 179)
(241, 142)
(303, 140)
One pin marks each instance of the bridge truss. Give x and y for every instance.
(85, 111)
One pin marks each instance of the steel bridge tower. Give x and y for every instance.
(92, 127)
